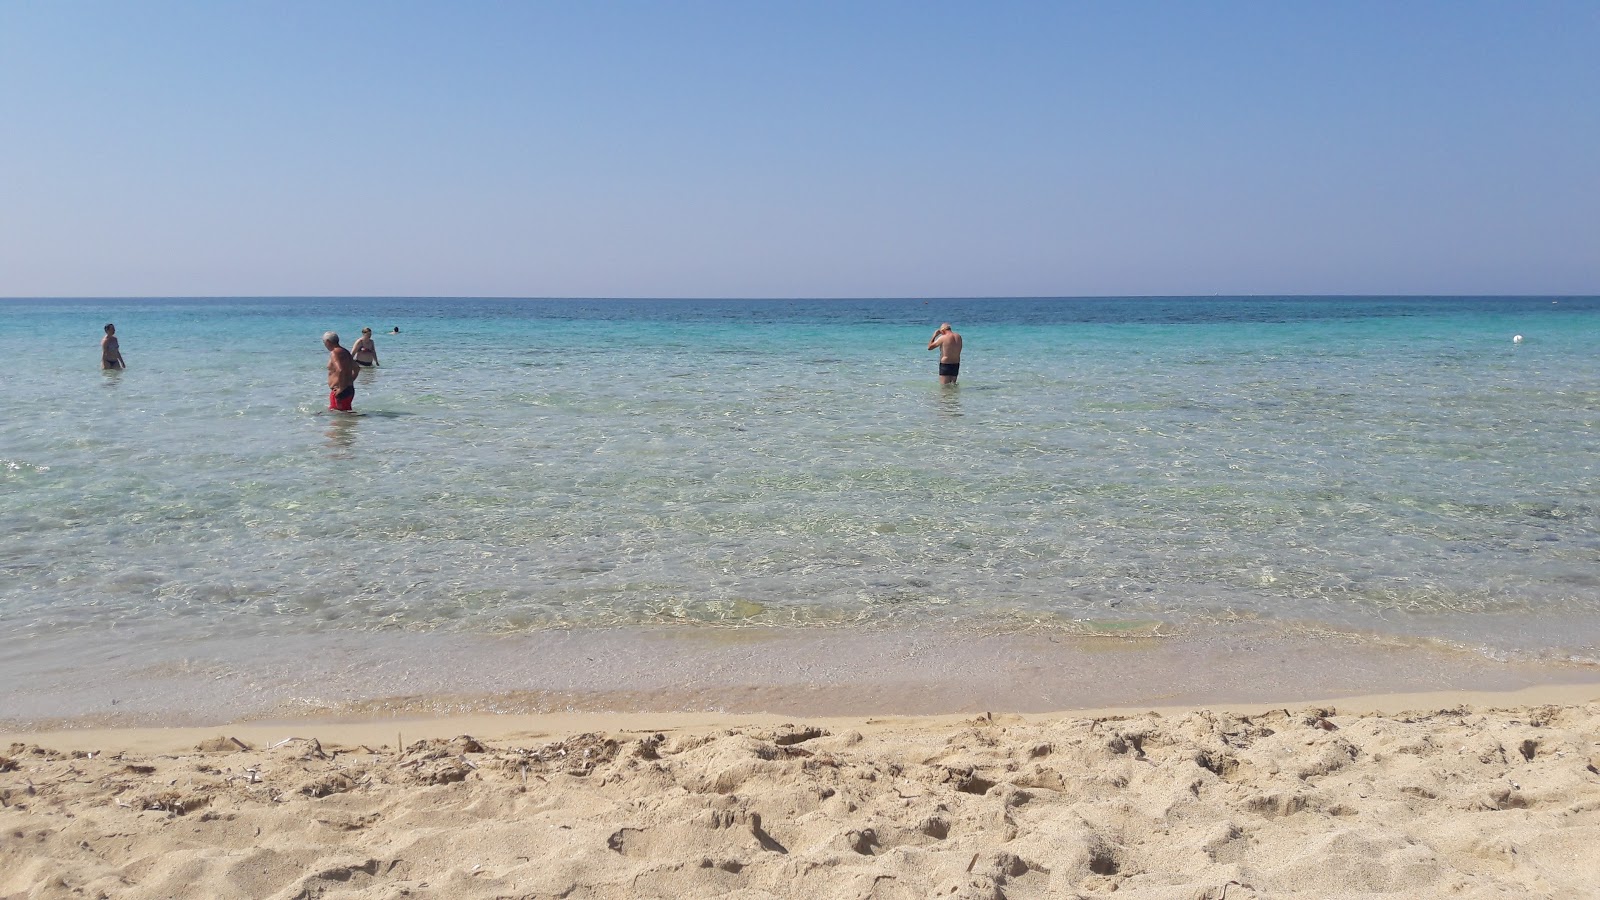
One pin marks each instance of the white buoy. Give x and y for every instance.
(1516, 339)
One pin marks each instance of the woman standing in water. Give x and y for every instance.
(365, 352)
(110, 351)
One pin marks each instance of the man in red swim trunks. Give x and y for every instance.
(342, 371)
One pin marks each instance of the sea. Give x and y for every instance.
(547, 473)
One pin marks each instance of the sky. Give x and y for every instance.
(807, 149)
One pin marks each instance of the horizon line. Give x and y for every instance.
(1214, 295)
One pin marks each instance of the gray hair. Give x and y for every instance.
(330, 337)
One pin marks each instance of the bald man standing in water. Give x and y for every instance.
(949, 344)
(341, 374)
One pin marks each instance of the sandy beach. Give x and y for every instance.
(1426, 795)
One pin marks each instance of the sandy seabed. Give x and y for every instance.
(1428, 796)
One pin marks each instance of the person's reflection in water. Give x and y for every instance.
(113, 377)
(341, 436)
(950, 402)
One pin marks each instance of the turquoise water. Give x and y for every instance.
(1391, 466)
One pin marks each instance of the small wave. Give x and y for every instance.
(17, 465)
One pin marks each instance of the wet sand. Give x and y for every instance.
(923, 670)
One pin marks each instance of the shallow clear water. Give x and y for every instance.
(1396, 466)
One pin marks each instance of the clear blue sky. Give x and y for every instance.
(766, 149)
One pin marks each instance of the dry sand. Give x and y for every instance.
(1465, 796)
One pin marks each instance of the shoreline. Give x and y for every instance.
(380, 730)
(914, 670)
(1245, 762)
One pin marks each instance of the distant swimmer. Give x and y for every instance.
(364, 350)
(948, 342)
(110, 351)
(396, 330)
(342, 371)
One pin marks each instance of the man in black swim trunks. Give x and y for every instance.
(948, 342)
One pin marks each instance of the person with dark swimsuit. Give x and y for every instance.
(364, 350)
(948, 343)
(110, 350)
